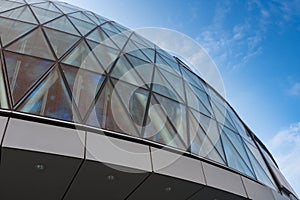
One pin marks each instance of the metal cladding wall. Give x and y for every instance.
(167, 128)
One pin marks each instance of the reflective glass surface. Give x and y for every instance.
(66, 63)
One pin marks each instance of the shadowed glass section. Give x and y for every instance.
(81, 16)
(50, 99)
(11, 29)
(84, 86)
(22, 14)
(33, 44)
(82, 26)
(60, 42)
(22, 72)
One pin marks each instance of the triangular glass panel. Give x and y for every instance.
(176, 113)
(101, 19)
(124, 71)
(108, 26)
(211, 129)
(200, 143)
(237, 142)
(172, 62)
(35, 1)
(194, 102)
(92, 17)
(60, 42)
(47, 6)
(138, 53)
(34, 44)
(143, 68)
(106, 55)
(50, 99)
(192, 78)
(262, 173)
(81, 16)
(109, 113)
(159, 129)
(150, 53)
(8, 5)
(84, 58)
(119, 39)
(134, 99)
(62, 24)
(175, 81)
(165, 65)
(82, 26)
(98, 36)
(3, 93)
(163, 87)
(234, 159)
(44, 15)
(142, 41)
(22, 14)
(11, 30)
(65, 8)
(120, 27)
(84, 86)
(23, 71)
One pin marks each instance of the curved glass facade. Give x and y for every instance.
(62, 62)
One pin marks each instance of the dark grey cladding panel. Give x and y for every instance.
(97, 180)
(21, 178)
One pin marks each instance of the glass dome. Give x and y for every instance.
(65, 63)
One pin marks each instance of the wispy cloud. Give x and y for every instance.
(295, 89)
(285, 146)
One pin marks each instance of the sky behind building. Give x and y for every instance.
(256, 46)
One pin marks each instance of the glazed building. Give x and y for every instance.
(92, 110)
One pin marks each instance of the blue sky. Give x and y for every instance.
(256, 46)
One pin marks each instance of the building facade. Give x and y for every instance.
(92, 110)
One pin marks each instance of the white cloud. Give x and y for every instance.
(295, 89)
(285, 146)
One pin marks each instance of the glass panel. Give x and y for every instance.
(138, 53)
(175, 81)
(233, 158)
(23, 71)
(33, 44)
(98, 36)
(83, 57)
(135, 100)
(62, 24)
(142, 41)
(163, 87)
(60, 42)
(119, 39)
(124, 71)
(81, 16)
(143, 68)
(176, 113)
(194, 102)
(92, 17)
(22, 14)
(101, 19)
(65, 8)
(109, 27)
(3, 93)
(158, 127)
(50, 99)
(210, 128)
(165, 65)
(7, 5)
(150, 53)
(44, 15)
(10, 30)
(106, 55)
(34, 1)
(222, 116)
(82, 26)
(200, 143)
(259, 166)
(84, 86)
(238, 143)
(193, 79)
(47, 6)
(103, 116)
